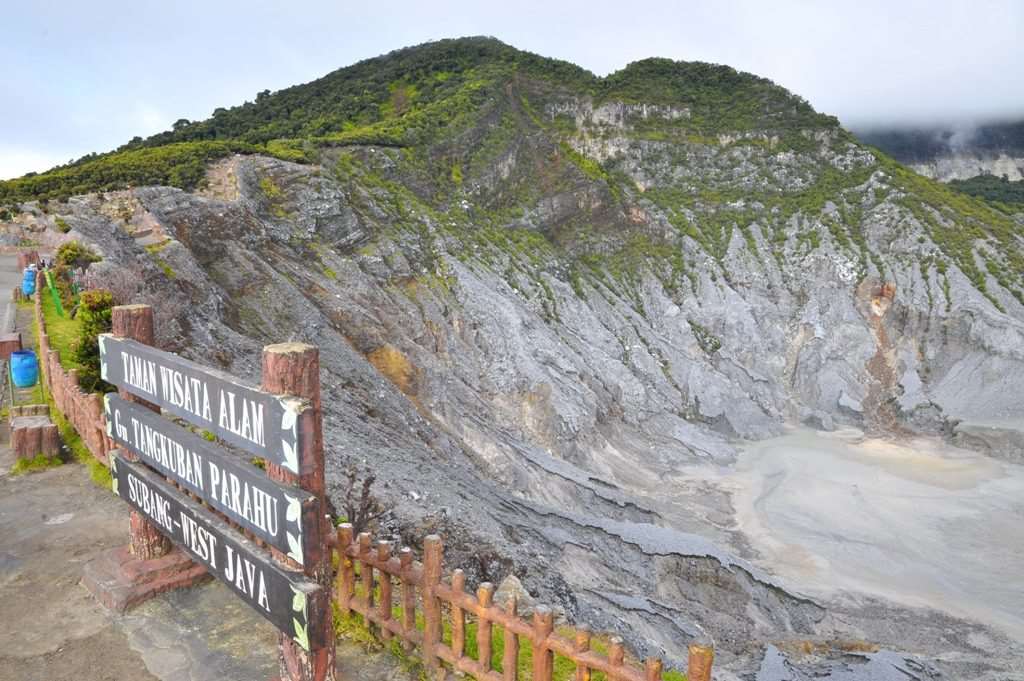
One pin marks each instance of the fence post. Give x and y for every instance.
(135, 322)
(384, 579)
(458, 615)
(346, 570)
(510, 658)
(432, 556)
(543, 660)
(484, 594)
(294, 369)
(366, 575)
(698, 666)
(582, 645)
(408, 598)
(652, 669)
(616, 655)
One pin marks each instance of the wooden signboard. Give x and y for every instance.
(285, 516)
(293, 603)
(271, 427)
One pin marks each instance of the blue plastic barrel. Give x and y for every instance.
(24, 368)
(28, 284)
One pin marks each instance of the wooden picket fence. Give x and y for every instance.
(378, 570)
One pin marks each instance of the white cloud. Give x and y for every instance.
(17, 162)
(871, 61)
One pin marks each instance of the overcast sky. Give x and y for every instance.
(87, 76)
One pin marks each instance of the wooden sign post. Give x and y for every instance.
(264, 535)
(136, 322)
(294, 369)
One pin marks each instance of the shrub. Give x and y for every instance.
(94, 311)
(76, 255)
(63, 279)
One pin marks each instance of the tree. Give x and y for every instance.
(94, 315)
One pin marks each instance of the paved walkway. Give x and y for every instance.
(51, 523)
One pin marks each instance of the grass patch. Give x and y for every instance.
(63, 332)
(38, 463)
(98, 471)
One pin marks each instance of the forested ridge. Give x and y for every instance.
(408, 97)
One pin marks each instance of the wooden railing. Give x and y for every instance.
(442, 603)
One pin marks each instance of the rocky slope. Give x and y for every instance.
(542, 297)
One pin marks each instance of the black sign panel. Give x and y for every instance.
(294, 604)
(273, 512)
(267, 425)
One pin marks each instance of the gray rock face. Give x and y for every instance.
(965, 165)
(538, 412)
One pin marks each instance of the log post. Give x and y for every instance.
(346, 570)
(294, 369)
(408, 598)
(135, 322)
(652, 669)
(510, 658)
(616, 655)
(458, 615)
(543, 659)
(384, 579)
(366, 575)
(699, 664)
(22, 442)
(484, 594)
(50, 445)
(582, 645)
(432, 556)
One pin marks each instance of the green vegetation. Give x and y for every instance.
(997, 189)
(275, 196)
(38, 463)
(93, 318)
(719, 98)
(76, 254)
(966, 229)
(63, 331)
(62, 225)
(708, 342)
(410, 97)
(98, 472)
(177, 165)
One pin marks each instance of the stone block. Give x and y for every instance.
(9, 342)
(120, 581)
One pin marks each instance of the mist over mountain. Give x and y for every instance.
(955, 152)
